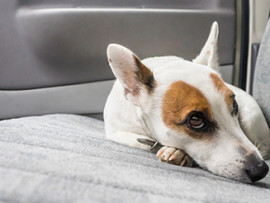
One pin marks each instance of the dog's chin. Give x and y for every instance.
(242, 177)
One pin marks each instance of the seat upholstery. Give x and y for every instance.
(66, 158)
(261, 86)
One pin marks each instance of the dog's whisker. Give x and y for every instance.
(255, 143)
(259, 144)
(263, 153)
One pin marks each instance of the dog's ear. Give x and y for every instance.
(135, 77)
(208, 55)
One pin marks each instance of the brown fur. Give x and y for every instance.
(181, 99)
(219, 84)
(144, 75)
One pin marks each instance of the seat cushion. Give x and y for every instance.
(261, 85)
(66, 158)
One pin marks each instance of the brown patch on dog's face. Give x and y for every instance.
(180, 102)
(219, 84)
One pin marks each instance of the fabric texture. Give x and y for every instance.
(261, 86)
(66, 158)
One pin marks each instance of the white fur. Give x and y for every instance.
(208, 55)
(123, 113)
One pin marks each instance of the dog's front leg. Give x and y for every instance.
(174, 156)
(129, 139)
(166, 154)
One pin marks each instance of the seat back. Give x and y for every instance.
(261, 83)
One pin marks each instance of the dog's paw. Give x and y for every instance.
(174, 156)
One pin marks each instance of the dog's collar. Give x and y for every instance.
(154, 144)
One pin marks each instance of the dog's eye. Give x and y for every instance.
(235, 107)
(196, 121)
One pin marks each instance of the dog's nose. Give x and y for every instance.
(258, 171)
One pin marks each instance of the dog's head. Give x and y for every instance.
(188, 106)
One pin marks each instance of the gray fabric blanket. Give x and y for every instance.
(66, 158)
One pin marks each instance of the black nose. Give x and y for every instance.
(257, 172)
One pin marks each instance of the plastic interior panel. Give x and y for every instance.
(63, 46)
(180, 4)
(227, 73)
(77, 99)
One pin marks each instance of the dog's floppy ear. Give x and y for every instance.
(135, 77)
(208, 55)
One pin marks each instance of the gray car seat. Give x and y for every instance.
(66, 158)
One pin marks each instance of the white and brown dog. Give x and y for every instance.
(185, 105)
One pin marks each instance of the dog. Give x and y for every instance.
(185, 105)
